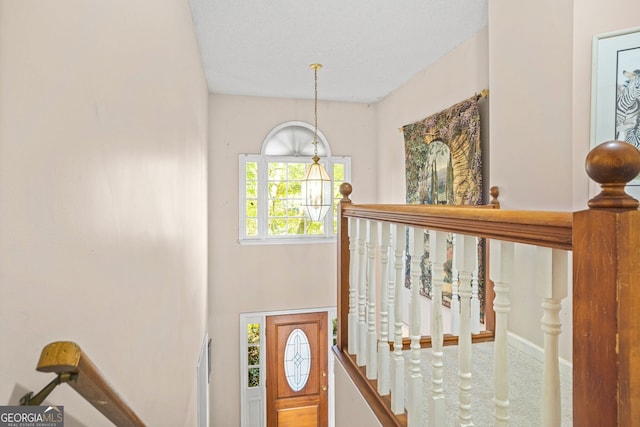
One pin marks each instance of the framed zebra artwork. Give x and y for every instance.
(615, 90)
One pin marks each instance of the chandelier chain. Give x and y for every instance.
(315, 67)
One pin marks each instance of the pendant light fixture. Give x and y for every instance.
(316, 185)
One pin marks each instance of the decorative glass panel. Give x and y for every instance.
(254, 377)
(253, 355)
(297, 360)
(253, 333)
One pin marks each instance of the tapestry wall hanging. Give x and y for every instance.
(443, 163)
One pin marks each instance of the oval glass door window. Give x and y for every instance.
(297, 359)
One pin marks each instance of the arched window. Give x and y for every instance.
(271, 187)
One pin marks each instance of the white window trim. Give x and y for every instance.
(263, 238)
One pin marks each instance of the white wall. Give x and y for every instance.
(103, 200)
(268, 277)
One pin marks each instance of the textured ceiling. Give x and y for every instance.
(368, 47)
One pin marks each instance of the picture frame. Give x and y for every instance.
(615, 90)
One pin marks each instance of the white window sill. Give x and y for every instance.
(288, 240)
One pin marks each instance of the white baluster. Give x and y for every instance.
(383, 343)
(361, 358)
(455, 302)
(501, 270)
(475, 301)
(466, 254)
(438, 256)
(415, 415)
(353, 275)
(551, 284)
(372, 338)
(397, 385)
(391, 285)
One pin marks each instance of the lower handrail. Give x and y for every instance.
(67, 359)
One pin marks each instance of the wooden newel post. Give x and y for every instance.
(343, 269)
(606, 294)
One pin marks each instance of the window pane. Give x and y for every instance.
(277, 226)
(277, 170)
(336, 191)
(251, 171)
(277, 189)
(253, 355)
(252, 227)
(295, 189)
(253, 333)
(297, 170)
(294, 208)
(315, 227)
(252, 189)
(254, 377)
(252, 208)
(296, 225)
(278, 208)
(338, 172)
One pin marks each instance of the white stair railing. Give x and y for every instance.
(475, 300)
(466, 253)
(361, 355)
(415, 411)
(353, 283)
(377, 252)
(552, 269)
(438, 256)
(397, 388)
(372, 338)
(501, 270)
(383, 343)
(455, 296)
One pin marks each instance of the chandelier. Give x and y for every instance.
(316, 185)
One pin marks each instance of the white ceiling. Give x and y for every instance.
(368, 48)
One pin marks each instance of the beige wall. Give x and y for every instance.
(103, 200)
(531, 147)
(540, 78)
(590, 18)
(459, 75)
(351, 408)
(268, 277)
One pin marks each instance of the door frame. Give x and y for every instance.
(255, 398)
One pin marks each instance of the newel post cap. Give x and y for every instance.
(345, 190)
(613, 164)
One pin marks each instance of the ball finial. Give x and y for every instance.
(613, 164)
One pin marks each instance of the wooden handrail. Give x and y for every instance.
(548, 229)
(66, 357)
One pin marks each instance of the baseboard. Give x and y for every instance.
(536, 352)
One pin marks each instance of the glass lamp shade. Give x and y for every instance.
(316, 190)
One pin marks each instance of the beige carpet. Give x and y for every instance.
(525, 383)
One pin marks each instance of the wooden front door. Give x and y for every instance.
(297, 378)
